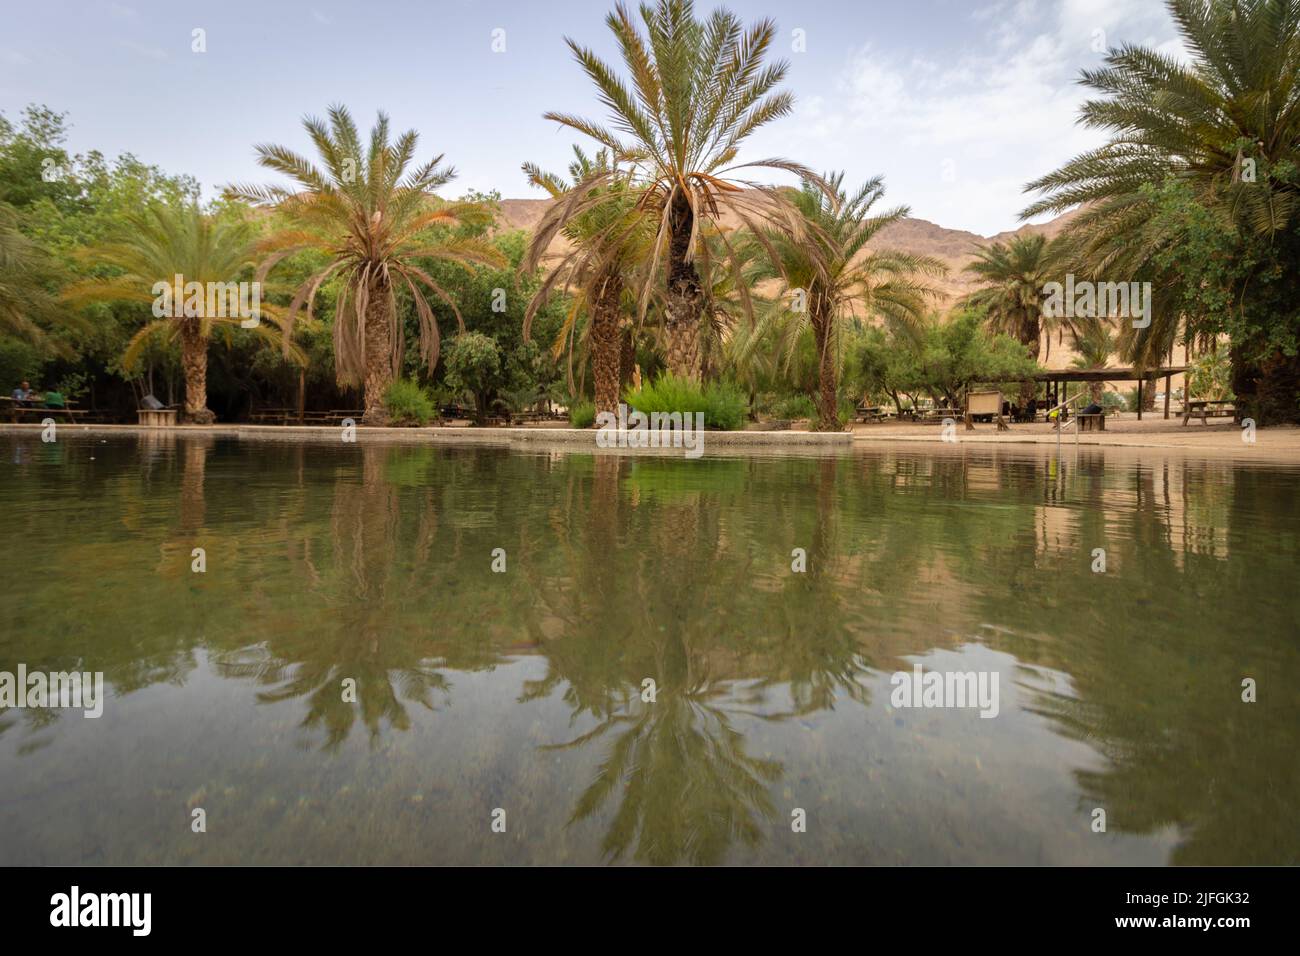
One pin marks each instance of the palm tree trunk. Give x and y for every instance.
(379, 353)
(194, 362)
(606, 345)
(685, 296)
(828, 411)
(626, 357)
(1030, 338)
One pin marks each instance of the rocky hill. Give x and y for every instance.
(953, 247)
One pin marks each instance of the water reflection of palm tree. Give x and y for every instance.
(677, 767)
(357, 623)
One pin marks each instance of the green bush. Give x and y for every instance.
(794, 407)
(408, 404)
(582, 414)
(724, 405)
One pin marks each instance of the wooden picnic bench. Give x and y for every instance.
(39, 411)
(1092, 422)
(868, 413)
(1205, 409)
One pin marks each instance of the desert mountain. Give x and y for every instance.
(953, 247)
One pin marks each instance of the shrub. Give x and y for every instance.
(582, 414)
(723, 404)
(408, 404)
(794, 407)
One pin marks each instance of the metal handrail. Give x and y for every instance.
(1059, 424)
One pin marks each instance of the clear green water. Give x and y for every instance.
(521, 690)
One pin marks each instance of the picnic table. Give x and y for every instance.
(868, 413)
(39, 411)
(1205, 409)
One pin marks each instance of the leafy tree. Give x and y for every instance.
(474, 365)
(25, 273)
(1224, 131)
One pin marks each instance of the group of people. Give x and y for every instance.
(24, 395)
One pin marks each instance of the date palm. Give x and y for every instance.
(156, 244)
(377, 220)
(697, 90)
(834, 276)
(1012, 276)
(606, 241)
(1225, 124)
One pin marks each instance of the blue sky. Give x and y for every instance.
(956, 102)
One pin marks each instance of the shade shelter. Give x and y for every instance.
(1055, 378)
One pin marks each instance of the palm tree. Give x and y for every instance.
(1013, 275)
(25, 304)
(150, 249)
(1094, 345)
(834, 278)
(698, 90)
(606, 241)
(376, 219)
(1225, 126)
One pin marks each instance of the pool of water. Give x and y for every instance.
(772, 731)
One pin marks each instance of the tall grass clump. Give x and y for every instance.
(582, 414)
(723, 404)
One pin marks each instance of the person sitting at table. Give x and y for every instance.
(23, 393)
(1092, 409)
(55, 400)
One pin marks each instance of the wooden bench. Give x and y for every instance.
(37, 411)
(1205, 409)
(1094, 422)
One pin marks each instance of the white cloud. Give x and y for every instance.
(957, 140)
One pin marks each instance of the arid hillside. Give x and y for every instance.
(953, 247)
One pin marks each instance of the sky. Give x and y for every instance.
(957, 103)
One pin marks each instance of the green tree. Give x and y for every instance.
(474, 365)
(1224, 129)
(833, 278)
(153, 247)
(697, 90)
(375, 218)
(607, 239)
(1012, 276)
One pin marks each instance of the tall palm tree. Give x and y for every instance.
(834, 278)
(154, 246)
(1225, 125)
(606, 241)
(1013, 275)
(376, 219)
(698, 90)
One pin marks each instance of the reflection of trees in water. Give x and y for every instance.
(363, 562)
(373, 563)
(653, 565)
(1154, 650)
